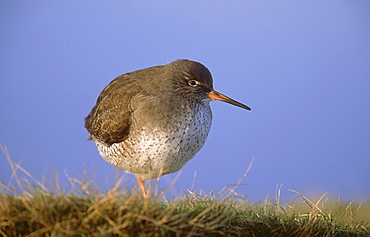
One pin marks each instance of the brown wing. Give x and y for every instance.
(109, 121)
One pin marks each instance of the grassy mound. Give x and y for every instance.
(33, 209)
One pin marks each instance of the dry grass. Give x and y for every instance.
(31, 207)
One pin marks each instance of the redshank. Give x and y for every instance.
(151, 122)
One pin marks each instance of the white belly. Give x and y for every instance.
(152, 151)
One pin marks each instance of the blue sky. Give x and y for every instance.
(303, 68)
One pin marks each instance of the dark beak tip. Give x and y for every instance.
(245, 107)
(240, 105)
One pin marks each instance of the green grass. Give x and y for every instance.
(33, 208)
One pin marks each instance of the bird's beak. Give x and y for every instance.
(214, 95)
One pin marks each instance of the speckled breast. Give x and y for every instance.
(163, 137)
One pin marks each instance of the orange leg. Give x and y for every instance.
(142, 187)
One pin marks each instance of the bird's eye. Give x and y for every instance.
(193, 83)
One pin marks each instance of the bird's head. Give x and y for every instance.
(194, 81)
